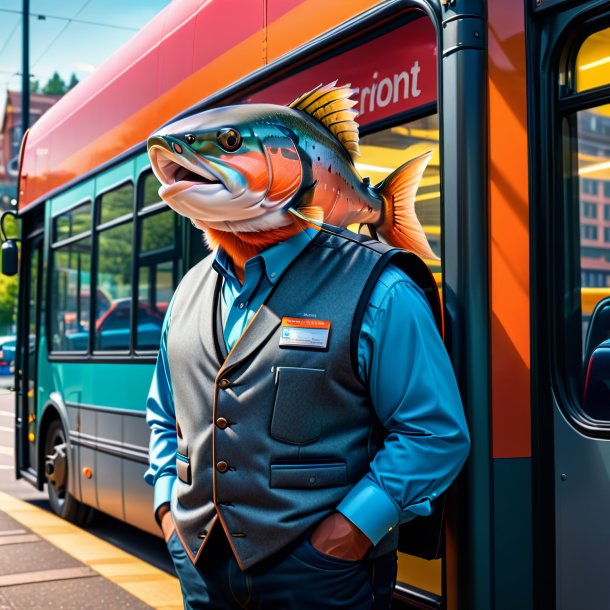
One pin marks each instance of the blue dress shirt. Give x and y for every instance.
(402, 360)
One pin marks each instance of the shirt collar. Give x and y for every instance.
(275, 259)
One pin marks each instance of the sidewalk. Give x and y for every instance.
(46, 562)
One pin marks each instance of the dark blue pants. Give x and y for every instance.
(298, 578)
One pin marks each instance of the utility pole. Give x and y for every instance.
(25, 69)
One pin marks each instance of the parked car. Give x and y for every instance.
(8, 346)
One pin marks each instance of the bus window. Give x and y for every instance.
(74, 222)
(593, 61)
(589, 142)
(150, 191)
(158, 260)
(113, 278)
(70, 296)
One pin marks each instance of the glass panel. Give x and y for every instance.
(72, 223)
(593, 146)
(158, 231)
(157, 268)
(150, 191)
(385, 150)
(593, 61)
(116, 203)
(70, 296)
(114, 288)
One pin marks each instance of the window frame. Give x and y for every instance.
(564, 270)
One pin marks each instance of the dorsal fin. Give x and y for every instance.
(333, 107)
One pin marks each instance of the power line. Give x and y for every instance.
(8, 38)
(81, 21)
(66, 26)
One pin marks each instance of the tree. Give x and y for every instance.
(73, 81)
(8, 300)
(8, 285)
(55, 85)
(35, 86)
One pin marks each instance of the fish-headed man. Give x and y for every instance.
(303, 405)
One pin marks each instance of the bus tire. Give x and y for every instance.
(57, 468)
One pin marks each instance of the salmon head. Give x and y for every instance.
(233, 168)
(261, 168)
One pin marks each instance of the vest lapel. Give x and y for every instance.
(252, 338)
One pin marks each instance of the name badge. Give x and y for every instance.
(304, 332)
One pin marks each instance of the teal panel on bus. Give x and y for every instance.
(114, 176)
(82, 192)
(117, 385)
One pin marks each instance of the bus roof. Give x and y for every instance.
(186, 53)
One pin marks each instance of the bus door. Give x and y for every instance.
(29, 343)
(571, 150)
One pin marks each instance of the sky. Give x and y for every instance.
(71, 36)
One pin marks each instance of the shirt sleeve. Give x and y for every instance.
(161, 419)
(404, 363)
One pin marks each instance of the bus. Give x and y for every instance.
(513, 98)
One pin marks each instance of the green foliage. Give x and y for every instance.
(55, 85)
(8, 285)
(8, 300)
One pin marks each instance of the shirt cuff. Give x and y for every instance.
(163, 490)
(370, 509)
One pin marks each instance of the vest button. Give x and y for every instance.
(223, 384)
(222, 466)
(222, 423)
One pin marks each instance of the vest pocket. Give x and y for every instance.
(298, 408)
(310, 475)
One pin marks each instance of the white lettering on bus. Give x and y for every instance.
(389, 89)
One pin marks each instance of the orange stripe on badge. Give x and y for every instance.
(305, 323)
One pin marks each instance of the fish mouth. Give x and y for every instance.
(177, 174)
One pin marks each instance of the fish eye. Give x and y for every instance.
(229, 139)
(190, 138)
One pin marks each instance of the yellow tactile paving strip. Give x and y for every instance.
(149, 584)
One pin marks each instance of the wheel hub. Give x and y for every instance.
(55, 466)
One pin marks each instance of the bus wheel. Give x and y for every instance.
(57, 467)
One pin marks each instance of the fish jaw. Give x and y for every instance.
(228, 193)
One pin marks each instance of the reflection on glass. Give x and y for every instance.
(70, 297)
(382, 152)
(114, 286)
(593, 146)
(594, 199)
(116, 203)
(72, 223)
(593, 61)
(150, 191)
(157, 268)
(158, 231)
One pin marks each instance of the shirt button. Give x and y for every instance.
(222, 466)
(222, 423)
(241, 305)
(223, 384)
(273, 274)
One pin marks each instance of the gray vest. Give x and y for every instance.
(272, 438)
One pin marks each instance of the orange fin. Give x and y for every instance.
(399, 224)
(310, 215)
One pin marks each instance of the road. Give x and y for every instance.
(130, 539)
